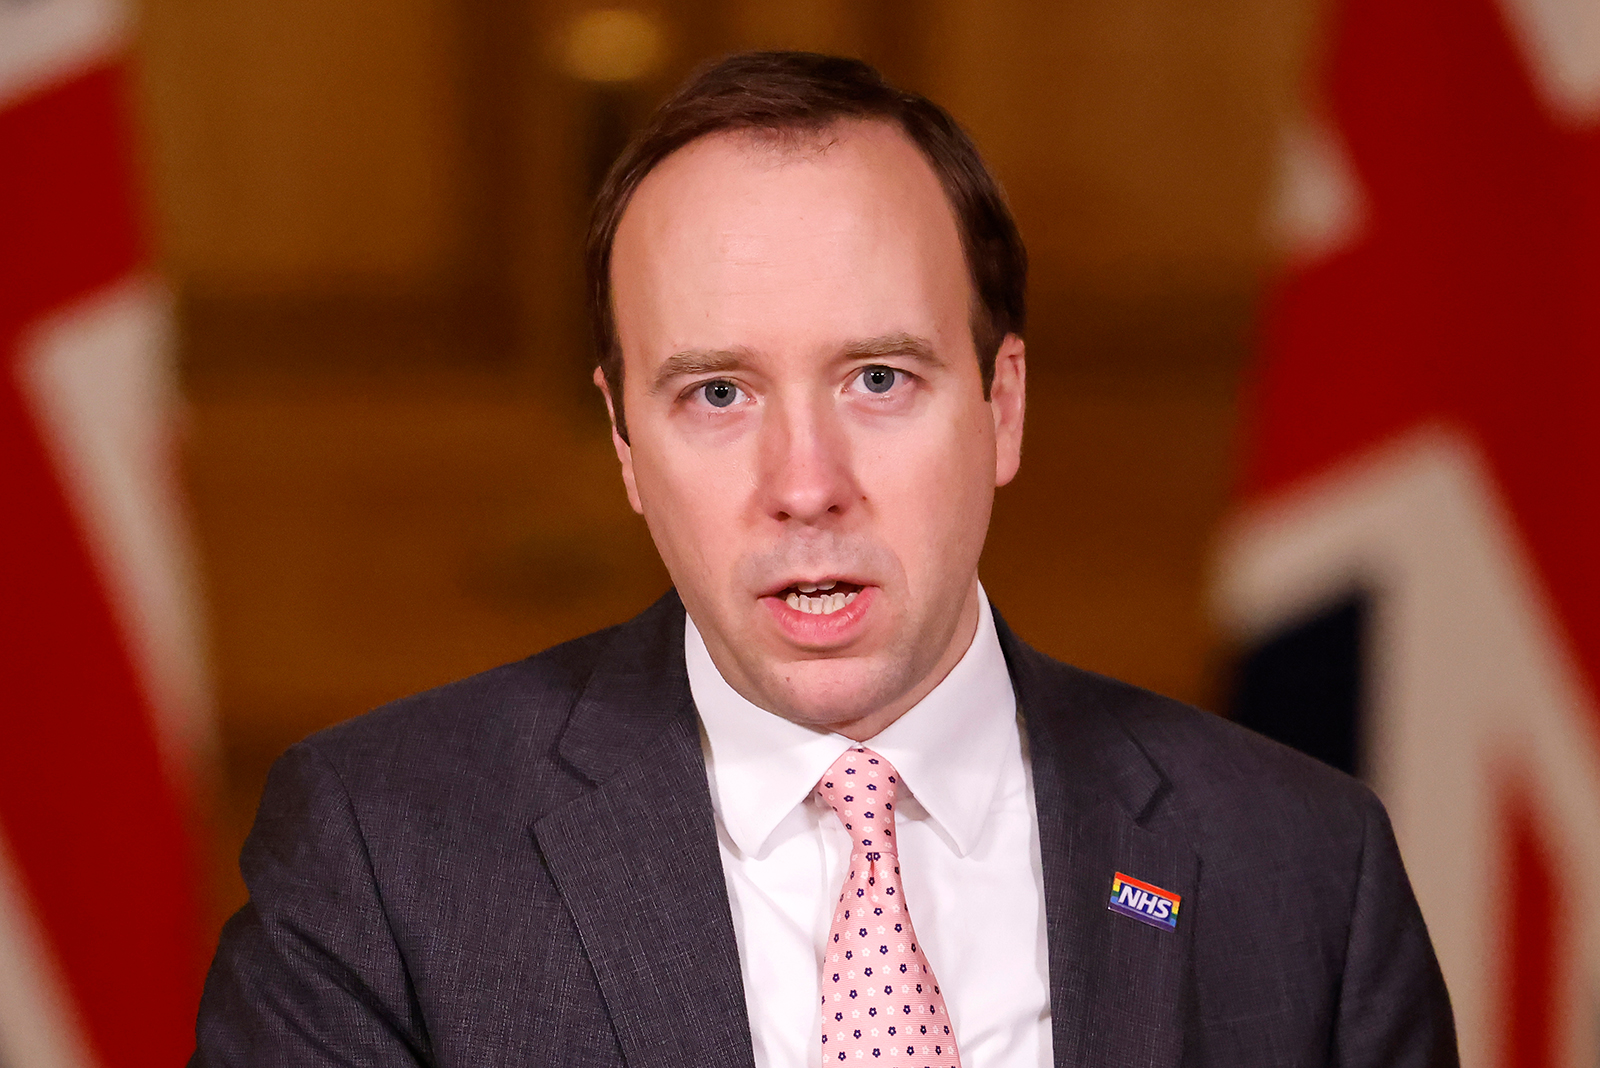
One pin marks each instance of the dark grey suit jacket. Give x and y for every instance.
(522, 869)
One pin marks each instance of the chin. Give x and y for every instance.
(832, 691)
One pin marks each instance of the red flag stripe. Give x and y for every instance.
(94, 824)
(67, 198)
(1532, 976)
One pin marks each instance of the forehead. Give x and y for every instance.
(741, 241)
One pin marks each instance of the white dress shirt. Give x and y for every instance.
(969, 856)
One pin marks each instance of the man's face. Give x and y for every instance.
(810, 443)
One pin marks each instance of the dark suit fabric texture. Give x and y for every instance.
(522, 869)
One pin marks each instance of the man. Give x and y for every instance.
(836, 811)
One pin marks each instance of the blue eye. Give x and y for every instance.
(878, 379)
(720, 394)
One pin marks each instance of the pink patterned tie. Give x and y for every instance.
(880, 1002)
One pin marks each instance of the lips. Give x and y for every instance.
(821, 613)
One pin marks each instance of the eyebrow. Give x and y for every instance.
(895, 346)
(694, 362)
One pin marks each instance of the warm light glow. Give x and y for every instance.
(614, 44)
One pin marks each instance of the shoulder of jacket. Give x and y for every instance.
(1221, 778)
(469, 724)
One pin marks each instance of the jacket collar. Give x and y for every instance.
(639, 690)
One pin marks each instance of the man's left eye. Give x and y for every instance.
(878, 379)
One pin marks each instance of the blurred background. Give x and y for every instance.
(359, 227)
(371, 216)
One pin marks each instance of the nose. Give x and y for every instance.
(805, 468)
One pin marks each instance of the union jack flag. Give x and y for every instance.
(1415, 564)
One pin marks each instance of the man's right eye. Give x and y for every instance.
(720, 394)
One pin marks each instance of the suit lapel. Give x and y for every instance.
(636, 861)
(1118, 987)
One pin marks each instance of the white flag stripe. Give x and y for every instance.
(44, 41)
(1316, 206)
(1561, 41)
(39, 1026)
(1469, 684)
(100, 378)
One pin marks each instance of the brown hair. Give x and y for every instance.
(800, 92)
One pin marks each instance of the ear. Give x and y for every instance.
(1008, 395)
(624, 451)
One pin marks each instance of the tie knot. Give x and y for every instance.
(861, 788)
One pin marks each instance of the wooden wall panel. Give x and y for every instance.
(304, 144)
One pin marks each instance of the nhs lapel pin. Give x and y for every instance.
(1145, 903)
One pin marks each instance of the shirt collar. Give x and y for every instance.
(949, 748)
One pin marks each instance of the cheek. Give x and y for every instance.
(690, 503)
(932, 492)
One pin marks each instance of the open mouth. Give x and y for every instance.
(820, 598)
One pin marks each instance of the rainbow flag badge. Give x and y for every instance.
(1145, 903)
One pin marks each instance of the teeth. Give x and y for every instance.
(825, 605)
(807, 587)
